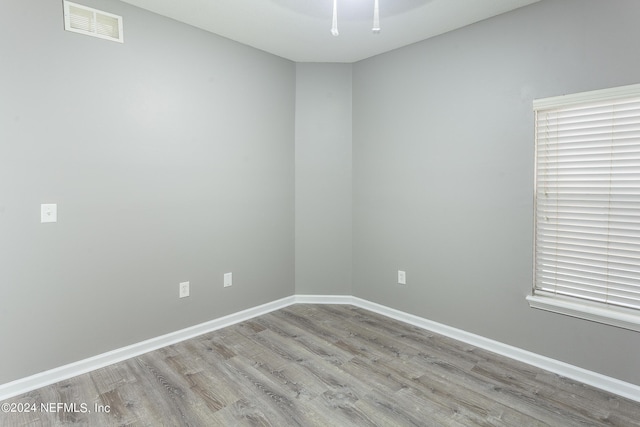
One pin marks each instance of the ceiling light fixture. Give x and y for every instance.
(334, 25)
(376, 19)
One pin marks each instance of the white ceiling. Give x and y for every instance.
(299, 30)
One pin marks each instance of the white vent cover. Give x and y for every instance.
(92, 22)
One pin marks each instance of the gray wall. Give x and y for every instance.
(443, 171)
(323, 179)
(171, 158)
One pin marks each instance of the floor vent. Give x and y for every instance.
(92, 22)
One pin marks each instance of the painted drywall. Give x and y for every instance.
(171, 159)
(443, 172)
(323, 179)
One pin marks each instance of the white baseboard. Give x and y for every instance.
(61, 373)
(603, 382)
(324, 299)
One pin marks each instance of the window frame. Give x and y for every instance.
(601, 312)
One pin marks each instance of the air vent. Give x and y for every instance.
(92, 22)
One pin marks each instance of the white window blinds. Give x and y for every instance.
(587, 235)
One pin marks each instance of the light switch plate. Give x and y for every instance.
(184, 289)
(49, 212)
(228, 279)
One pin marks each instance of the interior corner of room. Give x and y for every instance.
(179, 156)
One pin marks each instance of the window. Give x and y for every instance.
(587, 206)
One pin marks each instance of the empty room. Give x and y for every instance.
(320, 212)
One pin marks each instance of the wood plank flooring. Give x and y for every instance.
(322, 365)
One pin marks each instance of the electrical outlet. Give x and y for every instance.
(184, 289)
(228, 280)
(49, 212)
(402, 277)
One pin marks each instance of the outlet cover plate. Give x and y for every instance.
(48, 212)
(402, 277)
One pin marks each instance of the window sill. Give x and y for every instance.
(614, 316)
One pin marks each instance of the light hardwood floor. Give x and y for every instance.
(323, 365)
